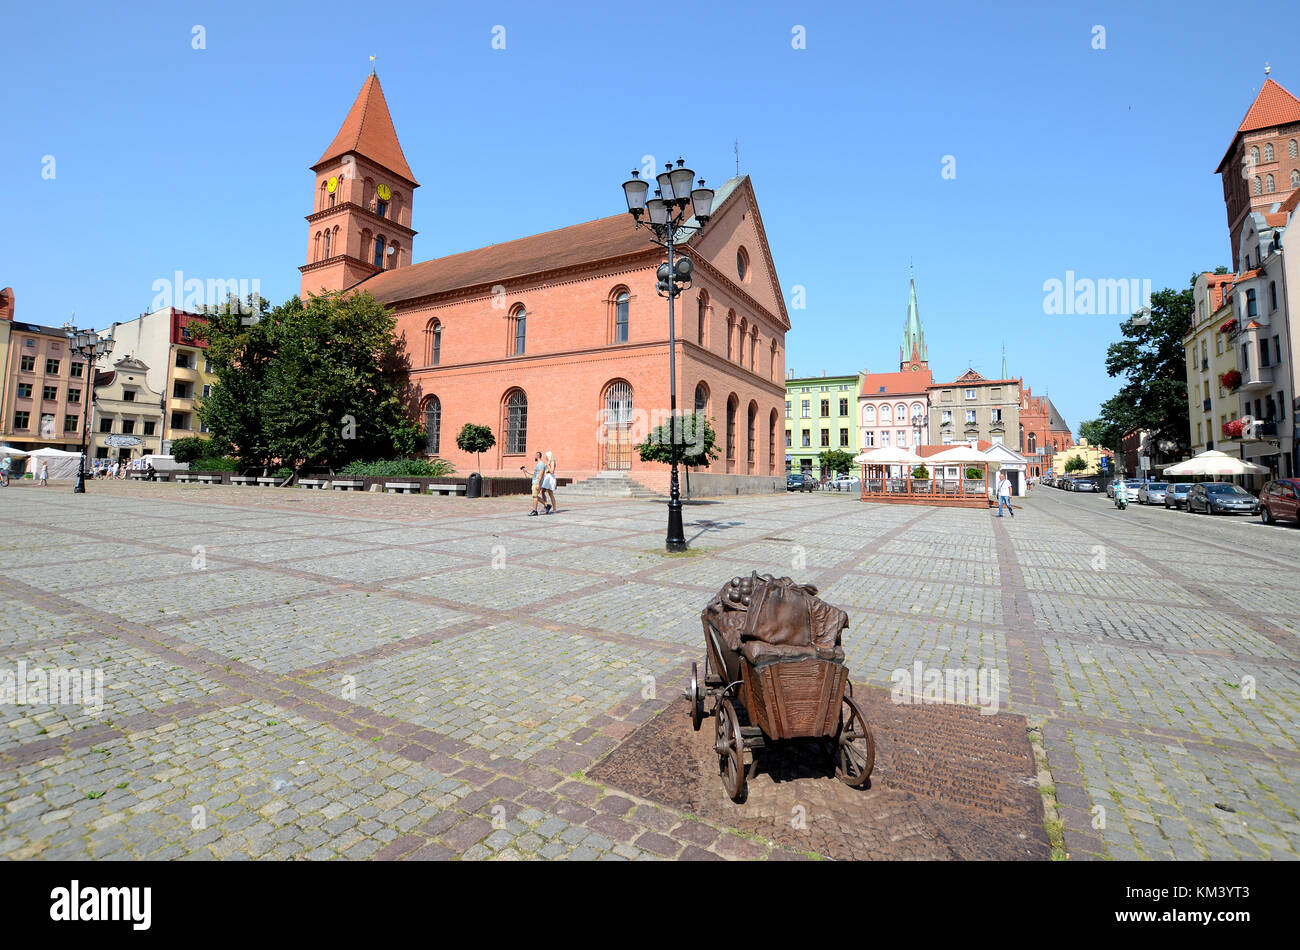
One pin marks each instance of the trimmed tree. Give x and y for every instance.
(476, 440)
(835, 461)
(696, 443)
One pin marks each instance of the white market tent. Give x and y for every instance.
(10, 450)
(1214, 462)
(60, 464)
(887, 456)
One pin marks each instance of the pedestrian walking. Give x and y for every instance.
(1004, 494)
(5, 463)
(45, 473)
(539, 469)
(548, 483)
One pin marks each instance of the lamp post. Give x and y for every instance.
(90, 346)
(665, 214)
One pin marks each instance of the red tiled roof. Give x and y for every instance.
(1292, 201)
(368, 131)
(577, 244)
(1273, 106)
(896, 383)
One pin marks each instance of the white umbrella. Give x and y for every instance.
(10, 450)
(958, 455)
(888, 456)
(1215, 462)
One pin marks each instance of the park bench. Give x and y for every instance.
(446, 489)
(186, 479)
(348, 485)
(402, 488)
(210, 479)
(265, 482)
(243, 480)
(319, 483)
(137, 476)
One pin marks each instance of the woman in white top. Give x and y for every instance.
(548, 483)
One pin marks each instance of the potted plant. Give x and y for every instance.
(1233, 429)
(1230, 380)
(1229, 326)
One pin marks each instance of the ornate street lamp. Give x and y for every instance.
(665, 214)
(90, 346)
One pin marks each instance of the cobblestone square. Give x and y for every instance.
(320, 675)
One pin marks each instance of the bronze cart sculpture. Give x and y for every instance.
(774, 669)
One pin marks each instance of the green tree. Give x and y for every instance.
(321, 382)
(920, 472)
(1076, 464)
(696, 442)
(1094, 430)
(476, 439)
(834, 461)
(188, 450)
(1152, 362)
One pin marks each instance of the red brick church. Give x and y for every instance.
(559, 341)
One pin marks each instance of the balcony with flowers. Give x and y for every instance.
(1231, 380)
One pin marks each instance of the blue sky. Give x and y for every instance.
(1066, 157)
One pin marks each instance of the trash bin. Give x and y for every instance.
(474, 487)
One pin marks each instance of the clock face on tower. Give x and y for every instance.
(384, 192)
(332, 185)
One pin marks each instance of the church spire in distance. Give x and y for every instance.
(913, 353)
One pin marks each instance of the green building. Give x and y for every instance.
(819, 415)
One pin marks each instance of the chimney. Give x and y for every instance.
(7, 304)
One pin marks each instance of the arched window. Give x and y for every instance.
(1295, 178)
(900, 413)
(742, 264)
(732, 405)
(741, 340)
(1257, 185)
(432, 424)
(381, 208)
(702, 317)
(1254, 155)
(1269, 187)
(1033, 443)
(702, 398)
(327, 242)
(516, 405)
(771, 443)
(752, 422)
(1268, 151)
(332, 196)
(518, 330)
(379, 251)
(885, 416)
(620, 304)
(315, 253)
(616, 434)
(432, 343)
(868, 415)
(1292, 149)
(918, 411)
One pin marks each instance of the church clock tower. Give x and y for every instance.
(361, 212)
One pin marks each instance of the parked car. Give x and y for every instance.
(1176, 495)
(1131, 485)
(846, 483)
(799, 481)
(1085, 484)
(1152, 493)
(1280, 501)
(1221, 498)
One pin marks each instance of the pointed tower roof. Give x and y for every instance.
(913, 335)
(1273, 106)
(368, 130)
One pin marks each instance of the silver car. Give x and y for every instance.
(1152, 493)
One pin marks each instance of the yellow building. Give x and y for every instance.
(1091, 455)
(1210, 354)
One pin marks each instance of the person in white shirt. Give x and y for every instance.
(1004, 494)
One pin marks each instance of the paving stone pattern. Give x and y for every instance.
(294, 674)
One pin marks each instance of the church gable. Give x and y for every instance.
(735, 243)
(970, 376)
